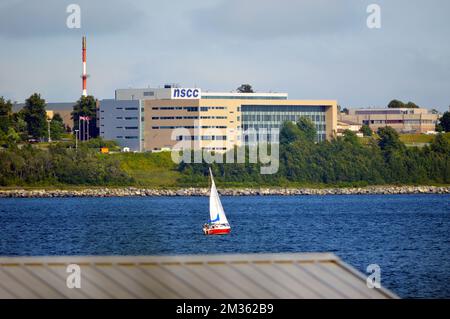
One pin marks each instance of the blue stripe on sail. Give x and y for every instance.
(215, 220)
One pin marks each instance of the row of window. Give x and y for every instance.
(129, 108)
(203, 138)
(189, 108)
(413, 122)
(174, 117)
(267, 117)
(187, 127)
(127, 118)
(171, 108)
(319, 127)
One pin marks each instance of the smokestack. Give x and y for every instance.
(84, 75)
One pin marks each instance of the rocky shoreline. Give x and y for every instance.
(143, 192)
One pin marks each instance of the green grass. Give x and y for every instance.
(416, 138)
(155, 170)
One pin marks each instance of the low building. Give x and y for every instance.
(62, 108)
(343, 126)
(403, 120)
(146, 119)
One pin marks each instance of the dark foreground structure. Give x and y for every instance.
(268, 276)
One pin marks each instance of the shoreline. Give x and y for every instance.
(147, 192)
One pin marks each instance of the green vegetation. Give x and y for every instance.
(343, 161)
(56, 127)
(245, 88)
(396, 104)
(149, 169)
(61, 164)
(382, 158)
(35, 116)
(444, 123)
(366, 130)
(86, 106)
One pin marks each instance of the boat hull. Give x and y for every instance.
(217, 231)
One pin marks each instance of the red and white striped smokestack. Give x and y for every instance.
(84, 76)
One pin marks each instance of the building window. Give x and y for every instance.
(131, 137)
(131, 109)
(131, 127)
(149, 93)
(131, 118)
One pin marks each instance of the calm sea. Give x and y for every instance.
(407, 235)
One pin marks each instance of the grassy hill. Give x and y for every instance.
(149, 169)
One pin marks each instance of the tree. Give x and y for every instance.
(86, 106)
(289, 133)
(444, 122)
(345, 110)
(5, 114)
(411, 105)
(440, 145)
(35, 116)
(350, 137)
(245, 88)
(56, 127)
(389, 139)
(366, 130)
(19, 124)
(308, 128)
(396, 104)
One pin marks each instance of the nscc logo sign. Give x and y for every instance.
(182, 93)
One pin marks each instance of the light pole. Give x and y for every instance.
(48, 128)
(76, 139)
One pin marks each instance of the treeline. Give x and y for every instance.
(31, 124)
(60, 164)
(343, 161)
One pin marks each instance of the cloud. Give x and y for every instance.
(268, 18)
(22, 18)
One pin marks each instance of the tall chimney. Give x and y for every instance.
(84, 75)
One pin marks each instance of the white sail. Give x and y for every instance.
(216, 211)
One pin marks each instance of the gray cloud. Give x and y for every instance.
(310, 49)
(268, 18)
(45, 18)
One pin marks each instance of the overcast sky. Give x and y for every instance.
(312, 49)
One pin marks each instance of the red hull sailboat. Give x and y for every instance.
(218, 223)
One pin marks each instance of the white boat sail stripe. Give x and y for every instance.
(216, 211)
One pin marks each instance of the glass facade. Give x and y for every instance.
(273, 116)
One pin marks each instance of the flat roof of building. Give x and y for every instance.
(267, 276)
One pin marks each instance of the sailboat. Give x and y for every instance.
(218, 223)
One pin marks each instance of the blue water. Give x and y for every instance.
(407, 235)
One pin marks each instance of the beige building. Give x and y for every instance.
(158, 119)
(403, 120)
(344, 125)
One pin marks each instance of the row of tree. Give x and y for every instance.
(60, 164)
(32, 121)
(29, 123)
(344, 160)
